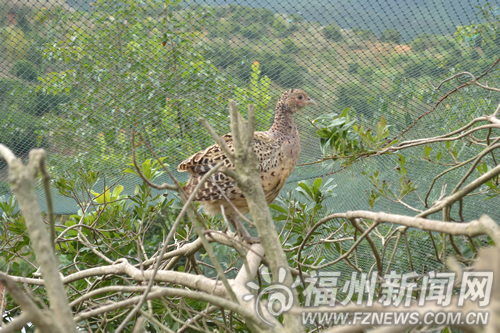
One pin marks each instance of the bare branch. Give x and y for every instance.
(254, 258)
(163, 186)
(48, 198)
(448, 201)
(376, 254)
(22, 179)
(170, 235)
(31, 311)
(7, 154)
(217, 139)
(174, 292)
(122, 266)
(246, 166)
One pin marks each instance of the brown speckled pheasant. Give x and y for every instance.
(277, 150)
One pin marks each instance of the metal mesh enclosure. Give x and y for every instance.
(76, 77)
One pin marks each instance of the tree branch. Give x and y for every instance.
(22, 179)
(31, 312)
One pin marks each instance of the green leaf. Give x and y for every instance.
(101, 198)
(402, 162)
(381, 127)
(317, 183)
(116, 192)
(305, 190)
(278, 208)
(344, 113)
(427, 151)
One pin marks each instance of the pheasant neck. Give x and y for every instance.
(283, 126)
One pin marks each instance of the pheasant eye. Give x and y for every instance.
(300, 97)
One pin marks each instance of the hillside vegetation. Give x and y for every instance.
(77, 82)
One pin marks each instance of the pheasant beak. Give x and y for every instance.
(311, 101)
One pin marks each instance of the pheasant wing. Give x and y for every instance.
(219, 185)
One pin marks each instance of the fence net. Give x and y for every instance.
(76, 76)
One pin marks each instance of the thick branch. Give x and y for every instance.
(173, 292)
(246, 165)
(22, 179)
(30, 311)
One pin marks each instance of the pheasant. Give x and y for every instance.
(276, 149)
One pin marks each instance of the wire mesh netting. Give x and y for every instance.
(76, 77)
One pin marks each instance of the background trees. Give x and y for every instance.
(332, 31)
(188, 69)
(116, 242)
(386, 140)
(390, 35)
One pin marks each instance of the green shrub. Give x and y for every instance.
(246, 53)
(25, 70)
(332, 32)
(473, 54)
(289, 30)
(352, 68)
(422, 43)
(292, 76)
(434, 68)
(6, 86)
(273, 68)
(390, 35)
(279, 24)
(482, 65)
(252, 31)
(289, 47)
(356, 30)
(367, 34)
(44, 103)
(414, 69)
(35, 56)
(490, 49)
(221, 56)
(398, 59)
(272, 63)
(451, 59)
(366, 71)
(26, 99)
(329, 56)
(239, 72)
(357, 96)
(426, 42)
(224, 29)
(420, 66)
(279, 67)
(19, 132)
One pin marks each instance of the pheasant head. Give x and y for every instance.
(295, 99)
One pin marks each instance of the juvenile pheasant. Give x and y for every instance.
(277, 150)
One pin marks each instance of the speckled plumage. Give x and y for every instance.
(277, 150)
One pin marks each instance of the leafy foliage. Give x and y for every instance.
(341, 138)
(258, 94)
(13, 43)
(21, 132)
(130, 79)
(25, 70)
(355, 95)
(390, 35)
(332, 32)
